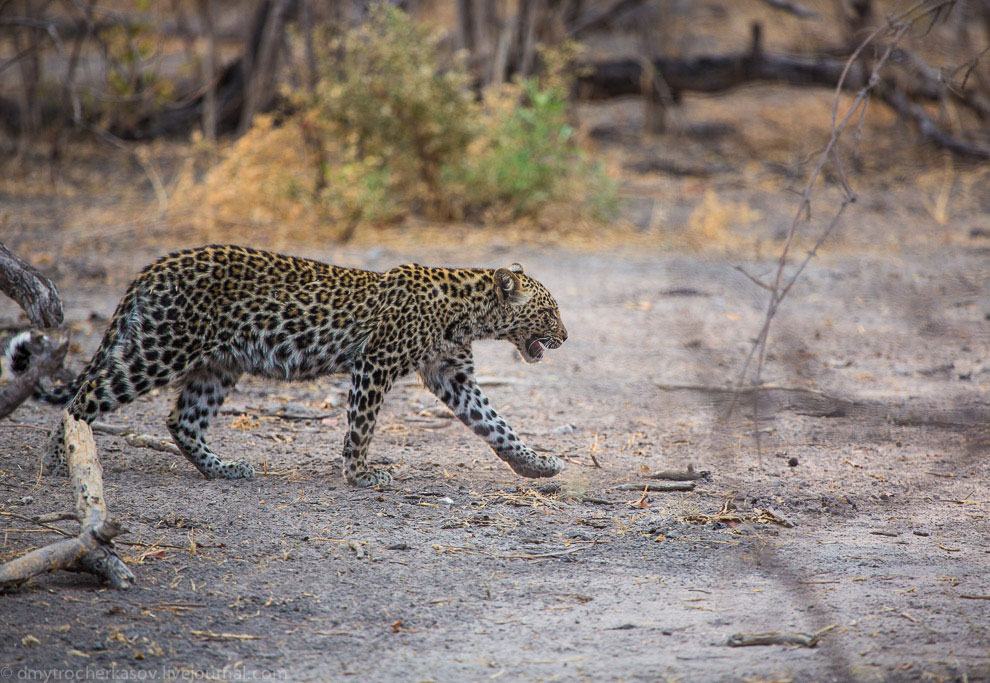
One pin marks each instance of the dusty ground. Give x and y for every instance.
(463, 571)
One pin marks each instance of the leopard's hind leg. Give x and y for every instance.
(203, 392)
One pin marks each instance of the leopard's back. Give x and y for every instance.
(254, 311)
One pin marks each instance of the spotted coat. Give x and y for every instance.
(201, 318)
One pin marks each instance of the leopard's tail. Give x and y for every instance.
(18, 356)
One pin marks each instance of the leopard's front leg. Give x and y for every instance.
(369, 384)
(453, 382)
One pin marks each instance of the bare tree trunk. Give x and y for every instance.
(71, 107)
(306, 25)
(259, 74)
(485, 27)
(657, 96)
(26, 42)
(529, 12)
(506, 39)
(206, 13)
(465, 25)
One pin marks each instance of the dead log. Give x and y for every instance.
(92, 550)
(32, 291)
(927, 128)
(718, 73)
(47, 360)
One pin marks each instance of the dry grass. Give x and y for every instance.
(910, 194)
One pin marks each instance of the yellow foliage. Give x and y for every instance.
(255, 184)
(711, 222)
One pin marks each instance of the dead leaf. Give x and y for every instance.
(244, 422)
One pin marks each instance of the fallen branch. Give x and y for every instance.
(134, 439)
(719, 73)
(210, 635)
(927, 128)
(776, 638)
(49, 359)
(690, 474)
(32, 291)
(671, 486)
(92, 550)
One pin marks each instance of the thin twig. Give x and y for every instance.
(781, 286)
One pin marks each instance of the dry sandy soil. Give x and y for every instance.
(463, 571)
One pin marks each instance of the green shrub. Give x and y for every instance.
(394, 129)
(389, 117)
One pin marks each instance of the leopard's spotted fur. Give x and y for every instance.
(202, 317)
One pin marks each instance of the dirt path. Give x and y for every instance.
(463, 571)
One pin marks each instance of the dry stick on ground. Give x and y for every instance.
(665, 486)
(92, 551)
(775, 638)
(690, 474)
(781, 286)
(134, 439)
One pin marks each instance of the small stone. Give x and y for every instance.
(27, 500)
(792, 462)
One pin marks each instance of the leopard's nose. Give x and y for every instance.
(563, 334)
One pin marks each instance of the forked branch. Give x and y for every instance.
(894, 30)
(92, 550)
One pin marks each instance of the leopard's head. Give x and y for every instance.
(525, 314)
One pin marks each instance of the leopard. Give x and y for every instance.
(201, 318)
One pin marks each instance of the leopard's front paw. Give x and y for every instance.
(238, 469)
(367, 478)
(535, 466)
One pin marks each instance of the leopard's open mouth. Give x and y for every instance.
(535, 349)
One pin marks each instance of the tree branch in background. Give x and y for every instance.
(596, 19)
(927, 128)
(894, 30)
(793, 8)
(718, 73)
(206, 13)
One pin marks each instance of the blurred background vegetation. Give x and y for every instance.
(309, 120)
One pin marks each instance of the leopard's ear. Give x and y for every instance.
(516, 268)
(508, 286)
